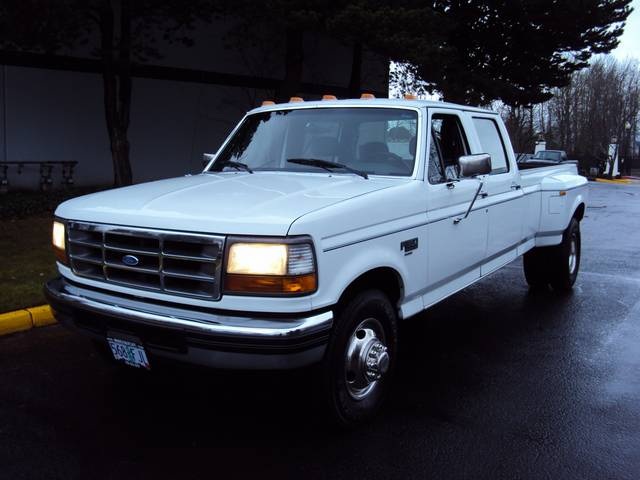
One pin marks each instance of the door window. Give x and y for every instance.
(436, 170)
(448, 144)
(491, 142)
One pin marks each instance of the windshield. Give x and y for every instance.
(377, 141)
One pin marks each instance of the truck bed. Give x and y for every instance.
(531, 176)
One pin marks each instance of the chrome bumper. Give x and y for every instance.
(206, 337)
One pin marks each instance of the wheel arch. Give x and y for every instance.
(386, 279)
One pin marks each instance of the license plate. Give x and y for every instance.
(131, 353)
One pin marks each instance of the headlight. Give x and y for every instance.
(258, 259)
(59, 242)
(270, 268)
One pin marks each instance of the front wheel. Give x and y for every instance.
(360, 358)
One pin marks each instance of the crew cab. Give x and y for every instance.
(314, 230)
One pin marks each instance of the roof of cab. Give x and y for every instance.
(377, 102)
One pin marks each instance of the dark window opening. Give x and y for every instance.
(448, 144)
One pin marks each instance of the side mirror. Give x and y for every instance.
(474, 165)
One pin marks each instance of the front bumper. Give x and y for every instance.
(195, 335)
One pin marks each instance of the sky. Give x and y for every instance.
(630, 39)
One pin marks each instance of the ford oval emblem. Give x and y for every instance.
(130, 260)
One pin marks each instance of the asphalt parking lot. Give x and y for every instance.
(495, 382)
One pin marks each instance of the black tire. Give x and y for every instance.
(535, 263)
(565, 259)
(367, 312)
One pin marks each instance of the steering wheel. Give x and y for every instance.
(391, 160)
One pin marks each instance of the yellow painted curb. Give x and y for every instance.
(15, 322)
(617, 180)
(25, 319)
(41, 316)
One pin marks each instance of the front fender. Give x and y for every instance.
(339, 268)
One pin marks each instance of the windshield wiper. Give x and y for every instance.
(236, 165)
(326, 164)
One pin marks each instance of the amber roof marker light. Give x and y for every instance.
(367, 96)
(296, 99)
(329, 97)
(410, 96)
(266, 103)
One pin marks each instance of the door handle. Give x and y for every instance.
(484, 194)
(515, 186)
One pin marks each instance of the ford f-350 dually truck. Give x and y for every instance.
(312, 232)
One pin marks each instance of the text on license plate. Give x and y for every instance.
(129, 352)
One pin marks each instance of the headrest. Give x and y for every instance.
(412, 145)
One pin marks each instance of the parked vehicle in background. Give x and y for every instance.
(556, 156)
(316, 228)
(544, 158)
(523, 157)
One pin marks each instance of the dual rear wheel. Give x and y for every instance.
(556, 266)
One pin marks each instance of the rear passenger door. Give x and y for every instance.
(505, 201)
(455, 250)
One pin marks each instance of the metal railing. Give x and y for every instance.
(46, 172)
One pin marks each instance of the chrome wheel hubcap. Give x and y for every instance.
(367, 359)
(573, 255)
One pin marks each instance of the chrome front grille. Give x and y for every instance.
(176, 263)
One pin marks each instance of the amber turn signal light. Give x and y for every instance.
(61, 256)
(270, 284)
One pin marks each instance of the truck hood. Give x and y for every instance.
(263, 203)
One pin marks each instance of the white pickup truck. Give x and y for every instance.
(313, 231)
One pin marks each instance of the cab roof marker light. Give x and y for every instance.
(268, 102)
(329, 97)
(367, 96)
(296, 99)
(410, 96)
